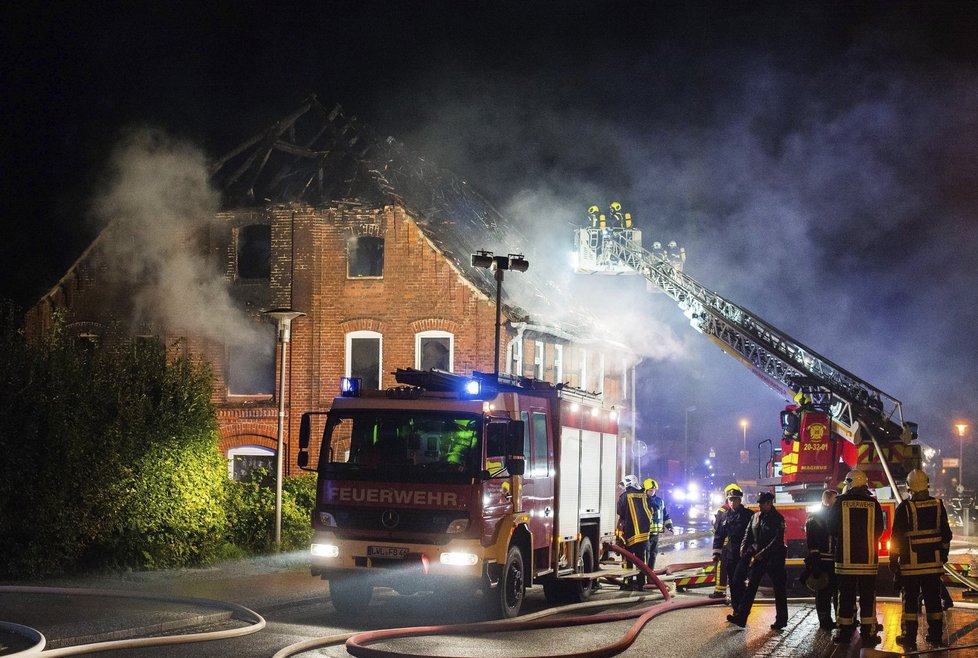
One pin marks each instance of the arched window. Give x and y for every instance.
(434, 349)
(364, 357)
(244, 460)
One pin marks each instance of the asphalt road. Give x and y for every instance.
(296, 608)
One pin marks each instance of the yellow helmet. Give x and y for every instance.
(917, 481)
(615, 206)
(650, 484)
(592, 210)
(856, 479)
(730, 486)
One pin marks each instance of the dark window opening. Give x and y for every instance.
(365, 361)
(244, 467)
(255, 252)
(366, 256)
(435, 352)
(251, 367)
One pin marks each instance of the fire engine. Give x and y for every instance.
(491, 482)
(834, 421)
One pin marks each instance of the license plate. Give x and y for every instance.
(388, 552)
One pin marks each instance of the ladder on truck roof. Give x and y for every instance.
(782, 362)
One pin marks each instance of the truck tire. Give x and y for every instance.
(578, 591)
(505, 601)
(350, 595)
(572, 591)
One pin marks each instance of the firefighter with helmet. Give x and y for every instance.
(728, 535)
(856, 525)
(919, 548)
(720, 574)
(634, 523)
(660, 519)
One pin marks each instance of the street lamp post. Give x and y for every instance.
(743, 425)
(686, 445)
(962, 428)
(498, 264)
(283, 317)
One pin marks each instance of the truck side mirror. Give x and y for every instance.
(515, 438)
(305, 428)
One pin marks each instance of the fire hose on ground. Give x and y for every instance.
(256, 622)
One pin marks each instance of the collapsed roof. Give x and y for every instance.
(320, 157)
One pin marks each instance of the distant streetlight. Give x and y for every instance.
(686, 445)
(284, 318)
(498, 264)
(962, 428)
(743, 425)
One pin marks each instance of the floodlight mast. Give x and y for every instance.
(486, 260)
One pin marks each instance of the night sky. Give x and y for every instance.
(818, 161)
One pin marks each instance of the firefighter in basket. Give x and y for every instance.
(660, 519)
(634, 522)
(856, 525)
(919, 549)
(729, 529)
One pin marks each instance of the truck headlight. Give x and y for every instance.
(324, 550)
(459, 559)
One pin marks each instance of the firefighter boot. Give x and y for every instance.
(935, 631)
(843, 635)
(717, 594)
(868, 634)
(908, 638)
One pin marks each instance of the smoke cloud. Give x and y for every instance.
(157, 207)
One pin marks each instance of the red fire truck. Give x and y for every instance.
(489, 482)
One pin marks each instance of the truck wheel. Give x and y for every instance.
(507, 599)
(350, 595)
(580, 590)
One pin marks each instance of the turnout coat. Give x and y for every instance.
(856, 525)
(921, 536)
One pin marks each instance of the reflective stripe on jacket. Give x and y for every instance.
(660, 515)
(921, 536)
(856, 524)
(635, 517)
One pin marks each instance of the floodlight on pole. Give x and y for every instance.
(743, 425)
(487, 260)
(283, 317)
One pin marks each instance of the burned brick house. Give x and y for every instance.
(373, 244)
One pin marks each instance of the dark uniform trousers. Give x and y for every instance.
(639, 549)
(827, 598)
(752, 573)
(865, 586)
(930, 586)
(652, 551)
(731, 563)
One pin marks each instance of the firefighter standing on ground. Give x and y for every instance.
(763, 551)
(729, 530)
(821, 560)
(660, 519)
(634, 522)
(720, 574)
(856, 524)
(919, 547)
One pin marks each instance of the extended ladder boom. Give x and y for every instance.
(782, 362)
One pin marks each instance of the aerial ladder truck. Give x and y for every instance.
(834, 422)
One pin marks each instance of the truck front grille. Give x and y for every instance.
(393, 519)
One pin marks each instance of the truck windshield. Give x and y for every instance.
(402, 446)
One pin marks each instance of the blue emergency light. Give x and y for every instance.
(472, 388)
(350, 387)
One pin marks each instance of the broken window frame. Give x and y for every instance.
(419, 340)
(253, 253)
(358, 257)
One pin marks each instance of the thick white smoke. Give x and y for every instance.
(157, 206)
